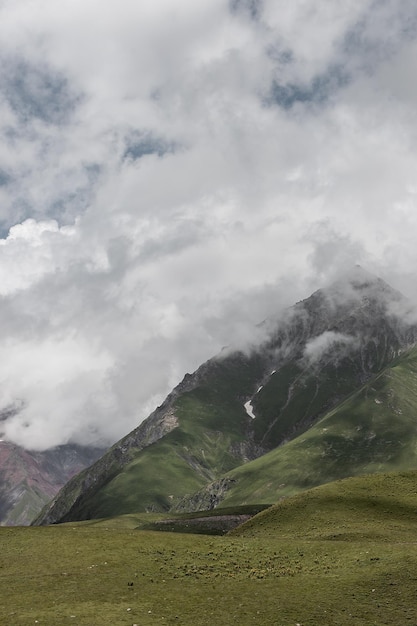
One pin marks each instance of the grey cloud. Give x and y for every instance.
(74, 200)
(379, 32)
(333, 252)
(279, 54)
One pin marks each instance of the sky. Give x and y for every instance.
(174, 172)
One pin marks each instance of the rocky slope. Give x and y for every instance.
(243, 404)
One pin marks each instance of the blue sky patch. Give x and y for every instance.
(145, 144)
(37, 92)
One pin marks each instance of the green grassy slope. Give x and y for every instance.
(297, 394)
(162, 473)
(284, 568)
(374, 430)
(378, 507)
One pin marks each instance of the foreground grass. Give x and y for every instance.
(83, 575)
(341, 554)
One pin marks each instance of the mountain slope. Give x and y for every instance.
(240, 405)
(373, 430)
(28, 480)
(197, 434)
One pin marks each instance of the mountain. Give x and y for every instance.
(28, 480)
(242, 407)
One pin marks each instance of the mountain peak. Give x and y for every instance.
(358, 278)
(358, 284)
(357, 274)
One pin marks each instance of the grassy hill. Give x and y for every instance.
(341, 554)
(379, 507)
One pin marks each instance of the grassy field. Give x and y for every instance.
(341, 554)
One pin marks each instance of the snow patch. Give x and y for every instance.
(249, 409)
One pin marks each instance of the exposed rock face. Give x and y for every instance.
(322, 350)
(206, 499)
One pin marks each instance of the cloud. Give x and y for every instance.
(326, 342)
(185, 173)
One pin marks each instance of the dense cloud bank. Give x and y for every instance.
(173, 172)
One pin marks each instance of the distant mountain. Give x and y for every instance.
(28, 480)
(252, 404)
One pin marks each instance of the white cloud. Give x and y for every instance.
(316, 348)
(31, 251)
(278, 148)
